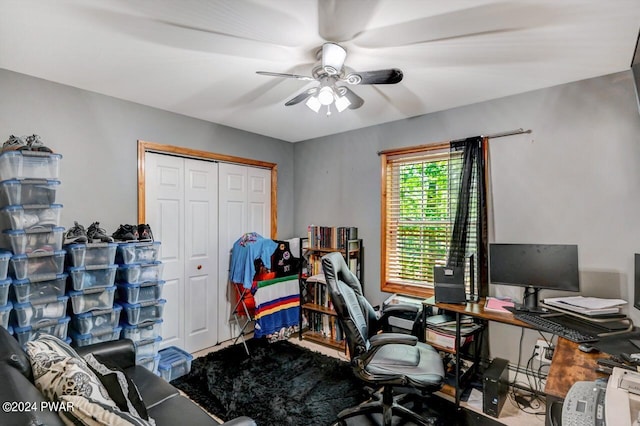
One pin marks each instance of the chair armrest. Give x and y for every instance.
(121, 352)
(400, 308)
(392, 338)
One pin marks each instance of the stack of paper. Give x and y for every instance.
(587, 305)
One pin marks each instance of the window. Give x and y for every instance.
(419, 200)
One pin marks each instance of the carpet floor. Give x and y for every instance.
(284, 384)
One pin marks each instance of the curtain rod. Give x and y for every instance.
(420, 147)
(509, 133)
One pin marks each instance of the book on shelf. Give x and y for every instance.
(331, 236)
(496, 304)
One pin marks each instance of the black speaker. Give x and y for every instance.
(449, 284)
(495, 385)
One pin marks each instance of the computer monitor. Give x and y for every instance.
(535, 267)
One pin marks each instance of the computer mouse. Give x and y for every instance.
(585, 347)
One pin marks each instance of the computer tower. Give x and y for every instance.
(495, 385)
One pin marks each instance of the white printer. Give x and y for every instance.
(616, 403)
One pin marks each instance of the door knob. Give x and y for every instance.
(199, 267)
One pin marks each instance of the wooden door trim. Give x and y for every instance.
(178, 151)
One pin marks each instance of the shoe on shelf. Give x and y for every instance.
(144, 232)
(29, 220)
(97, 234)
(13, 143)
(75, 235)
(34, 143)
(126, 233)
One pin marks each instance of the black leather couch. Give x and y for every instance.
(164, 403)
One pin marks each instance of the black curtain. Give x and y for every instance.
(472, 190)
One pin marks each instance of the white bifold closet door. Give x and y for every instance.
(197, 210)
(245, 206)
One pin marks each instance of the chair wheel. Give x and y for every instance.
(339, 423)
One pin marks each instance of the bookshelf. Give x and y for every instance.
(318, 320)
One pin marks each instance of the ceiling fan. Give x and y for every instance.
(329, 73)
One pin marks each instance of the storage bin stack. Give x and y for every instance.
(140, 284)
(32, 242)
(92, 273)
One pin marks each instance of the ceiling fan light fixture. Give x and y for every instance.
(326, 95)
(342, 103)
(313, 103)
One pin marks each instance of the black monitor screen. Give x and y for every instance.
(543, 266)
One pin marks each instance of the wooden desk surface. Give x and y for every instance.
(570, 365)
(476, 309)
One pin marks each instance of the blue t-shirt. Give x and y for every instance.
(245, 251)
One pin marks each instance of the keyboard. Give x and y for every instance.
(559, 328)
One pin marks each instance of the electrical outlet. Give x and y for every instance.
(541, 351)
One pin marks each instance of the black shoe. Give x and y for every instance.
(34, 143)
(95, 234)
(126, 233)
(75, 235)
(144, 232)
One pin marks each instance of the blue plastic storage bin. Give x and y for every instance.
(92, 254)
(29, 165)
(37, 265)
(103, 319)
(129, 253)
(148, 347)
(27, 314)
(139, 313)
(5, 257)
(34, 240)
(27, 217)
(137, 293)
(174, 363)
(28, 290)
(92, 299)
(86, 277)
(140, 273)
(150, 363)
(97, 336)
(58, 328)
(148, 330)
(15, 192)
(5, 310)
(4, 291)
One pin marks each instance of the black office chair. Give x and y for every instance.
(384, 360)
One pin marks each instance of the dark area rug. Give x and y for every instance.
(284, 384)
(279, 384)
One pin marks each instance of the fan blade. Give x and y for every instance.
(356, 101)
(473, 21)
(279, 74)
(301, 97)
(161, 33)
(341, 20)
(389, 76)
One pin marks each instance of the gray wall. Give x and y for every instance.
(575, 179)
(97, 136)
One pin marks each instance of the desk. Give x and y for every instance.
(568, 365)
(473, 309)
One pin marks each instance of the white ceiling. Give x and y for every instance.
(199, 57)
